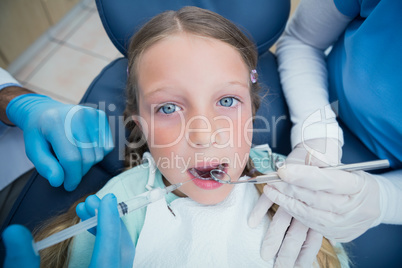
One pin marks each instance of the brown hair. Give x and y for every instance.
(57, 255)
(191, 20)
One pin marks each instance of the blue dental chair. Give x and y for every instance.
(264, 20)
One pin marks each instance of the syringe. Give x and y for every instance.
(124, 208)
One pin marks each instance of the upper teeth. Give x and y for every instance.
(199, 172)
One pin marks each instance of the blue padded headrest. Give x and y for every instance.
(264, 20)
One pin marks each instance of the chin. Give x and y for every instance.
(210, 200)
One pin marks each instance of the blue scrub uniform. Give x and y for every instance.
(365, 74)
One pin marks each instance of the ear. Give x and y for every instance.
(137, 120)
(142, 124)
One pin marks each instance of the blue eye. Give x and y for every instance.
(228, 102)
(169, 108)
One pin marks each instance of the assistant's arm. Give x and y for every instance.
(9, 89)
(109, 243)
(314, 27)
(63, 141)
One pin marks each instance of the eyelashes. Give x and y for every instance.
(169, 108)
(228, 101)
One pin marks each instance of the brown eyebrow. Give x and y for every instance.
(153, 92)
(236, 83)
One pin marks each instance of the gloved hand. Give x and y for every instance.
(20, 253)
(316, 152)
(88, 209)
(340, 205)
(62, 141)
(19, 248)
(296, 246)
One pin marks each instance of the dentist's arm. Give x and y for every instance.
(63, 141)
(314, 27)
(316, 137)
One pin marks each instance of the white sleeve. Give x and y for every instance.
(314, 27)
(391, 196)
(7, 80)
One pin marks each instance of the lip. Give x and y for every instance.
(206, 184)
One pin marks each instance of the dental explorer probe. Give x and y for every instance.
(273, 176)
(124, 208)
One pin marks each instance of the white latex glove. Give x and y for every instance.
(316, 152)
(340, 205)
(297, 244)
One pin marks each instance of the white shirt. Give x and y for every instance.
(13, 160)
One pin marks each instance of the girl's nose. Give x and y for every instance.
(200, 131)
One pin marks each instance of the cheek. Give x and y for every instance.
(165, 136)
(245, 131)
(162, 132)
(247, 122)
(236, 128)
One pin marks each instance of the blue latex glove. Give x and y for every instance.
(19, 248)
(88, 209)
(107, 251)
(63, 141)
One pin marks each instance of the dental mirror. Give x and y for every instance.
(222, 177)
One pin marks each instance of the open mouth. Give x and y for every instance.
(203, 173)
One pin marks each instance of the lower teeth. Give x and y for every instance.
(198, 176)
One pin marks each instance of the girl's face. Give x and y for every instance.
(195, 111)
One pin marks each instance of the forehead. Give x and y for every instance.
(192, 58)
